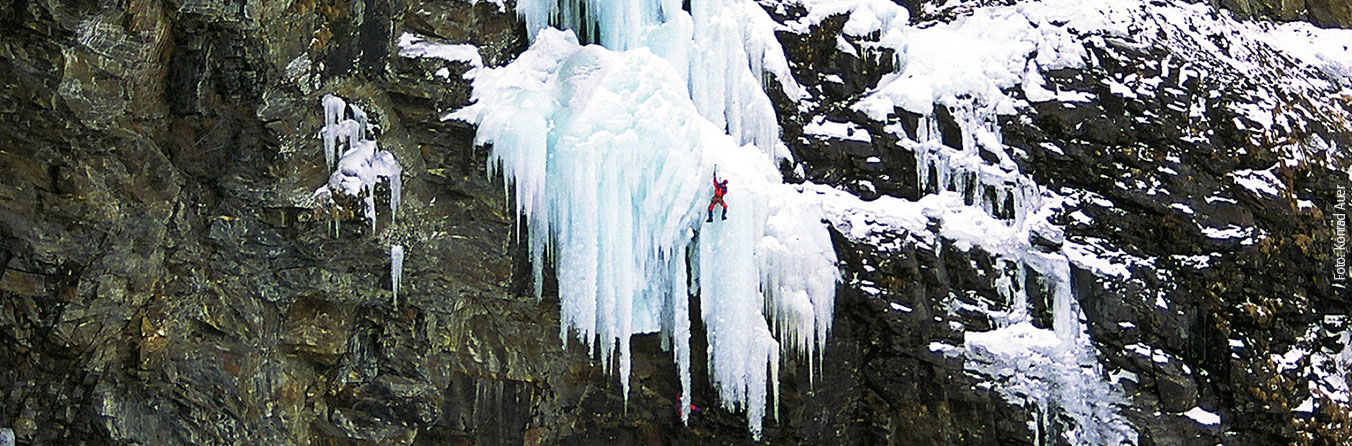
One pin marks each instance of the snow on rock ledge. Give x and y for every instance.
(415, 46)
(610, 163)
(355, 162)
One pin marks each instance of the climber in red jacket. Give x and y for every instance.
(680, 399)
(720, 188)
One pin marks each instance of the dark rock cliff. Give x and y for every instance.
(1326, 13)
(164, 283)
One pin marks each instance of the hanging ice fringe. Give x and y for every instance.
(609, 156)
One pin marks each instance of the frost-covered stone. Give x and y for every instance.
(356, 162)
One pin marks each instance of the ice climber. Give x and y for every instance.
(720, 188)
(680, 399)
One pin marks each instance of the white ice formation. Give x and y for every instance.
(724, 52)
(396, 269)
(610, 158)
(355, 162)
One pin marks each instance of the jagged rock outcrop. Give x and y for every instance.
(166, 281)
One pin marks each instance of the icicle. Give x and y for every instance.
(680, 315)
(359, 116)
(370, 201)
(396, 270)
(922, 169)
(333, 113)
(1065, 320)
(1001, 194)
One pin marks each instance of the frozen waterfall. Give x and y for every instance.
(610, 158)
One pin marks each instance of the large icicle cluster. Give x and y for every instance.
(722, 51)
(611, 163)
(355, 162)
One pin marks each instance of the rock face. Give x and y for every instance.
(166, 281)
(1325, 13)
(1218, 339)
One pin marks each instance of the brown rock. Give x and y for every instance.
(1330, 13)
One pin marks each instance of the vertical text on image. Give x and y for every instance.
(1340, 236)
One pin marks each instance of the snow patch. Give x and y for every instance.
(1327, 49)
(1097, 258)
(1260, 181)
(415, 46)
(1229, 232)
(1203, 416)
(841, 130)
(865, 16)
